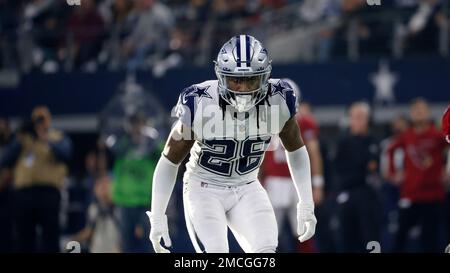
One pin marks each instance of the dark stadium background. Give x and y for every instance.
(333, 49)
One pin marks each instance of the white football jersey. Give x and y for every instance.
(230, 146)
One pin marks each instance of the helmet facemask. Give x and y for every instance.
(243, 90)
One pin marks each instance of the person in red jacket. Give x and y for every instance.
(422, 191)
(446, 124)
(446, 133)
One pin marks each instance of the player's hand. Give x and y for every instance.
(306, 221)
(158, 230)
(397, 178)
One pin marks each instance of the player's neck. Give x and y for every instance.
(420, 127)
(360, 132)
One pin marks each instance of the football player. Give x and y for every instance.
(226, 125)
(446, 124)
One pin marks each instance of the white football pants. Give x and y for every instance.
(210, 210)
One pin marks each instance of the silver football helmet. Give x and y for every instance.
(243, 60)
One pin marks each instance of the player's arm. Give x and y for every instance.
(313, 148)
(178, 144)
(300, 169)
(164, 177)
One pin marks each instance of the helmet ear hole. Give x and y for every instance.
(261, 58)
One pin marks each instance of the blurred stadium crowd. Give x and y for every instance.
(368, 169)
(50, 35)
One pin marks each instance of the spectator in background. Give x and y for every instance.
(48, 33)
(6, 193)
(446, 124)
(120, 27)
(348, 9)
(223, 15)
(398, 126)
(421, 28)
(91, 163)
(325, 14)
(39, 156)
(32, 13)
(9, 21)
(150, 34)
(389, 190)
(134, 156)
(120, 11)
(447, 198)
(356, 162)
(81, 195)
(277, 180)
(101, 232)
(422, 190)
(446, 133)
(85, 30)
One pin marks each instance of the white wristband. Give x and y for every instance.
(317, 181)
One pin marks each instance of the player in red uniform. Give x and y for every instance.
(446, 133)
(276, 177)
(422, 191)
(446, 124)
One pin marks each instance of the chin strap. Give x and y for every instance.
(222, 104)
(263, 101)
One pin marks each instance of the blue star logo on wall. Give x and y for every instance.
(199, 92)
(280, 88)
(384, 81)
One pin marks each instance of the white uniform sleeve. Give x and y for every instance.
(287, 100)
(185, 108)
(164, 179)
(300, 168)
